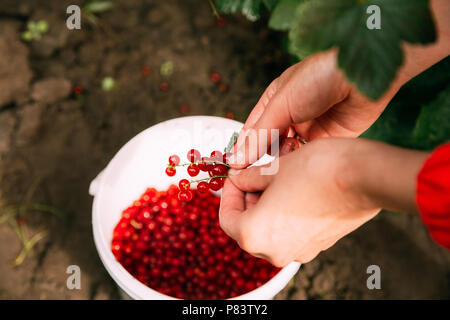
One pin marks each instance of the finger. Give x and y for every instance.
(309, 93)
(258, 110)
(289, 145)
(251, 199)
(260, 106)
(232, 207)
(250, 179)
(270, 91)
(306, 258)
(298, 99)
(348, 118)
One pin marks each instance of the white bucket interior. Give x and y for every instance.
(140, 164)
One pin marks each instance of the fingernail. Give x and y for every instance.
(233, 172)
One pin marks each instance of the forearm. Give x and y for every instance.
(387, 175)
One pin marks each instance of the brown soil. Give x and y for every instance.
(52, 139)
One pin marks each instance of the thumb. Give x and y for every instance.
(250, 179)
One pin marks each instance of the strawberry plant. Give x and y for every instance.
(418, 115)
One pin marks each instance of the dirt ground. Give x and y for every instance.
(53, 143)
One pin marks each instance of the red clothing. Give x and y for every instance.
(433, 194)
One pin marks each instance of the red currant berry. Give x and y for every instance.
(184, 184)
(215, 184)
(171, 171)
(219, 170)
(215, 77)
(193, 170)
(221, 22)
(226, 156)
(164, 86)
(203, 187)
(204, 165)
(184, 109)
(185, 195)
(229, 115)
(78, 90)
(145, 71)
(174, 160)
(193, 155)
(216, 155)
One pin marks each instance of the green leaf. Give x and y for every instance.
(32, 26)
(369, 58)
(399, 124)
(433, 124)
(166, 68)
(108, 83)
(99, 6)
(270, 4)
(250, 8)
(284, 14)
(27, 36)
(42, 26)
(229, 6)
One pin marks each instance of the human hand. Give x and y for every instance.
(322, 191)
(311, 99)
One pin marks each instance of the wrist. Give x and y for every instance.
(355, 175)
(385, 176)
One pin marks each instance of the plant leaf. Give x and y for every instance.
(399, 124)
(99, 6)
(369, 58)
(250, 8)
(229, 6)
(270, 4)
(28, 246)
(283, 15)
(433, 124)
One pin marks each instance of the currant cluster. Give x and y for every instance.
(179, 249)
(216, 166)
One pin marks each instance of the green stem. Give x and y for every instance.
(204, 179)
(197, 162)
(28, 246)
(208, 178)
(214, 9)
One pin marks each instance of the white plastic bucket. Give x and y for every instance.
(141, 164)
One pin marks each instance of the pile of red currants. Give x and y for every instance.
(179, 249)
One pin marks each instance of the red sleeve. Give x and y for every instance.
(433, 195)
